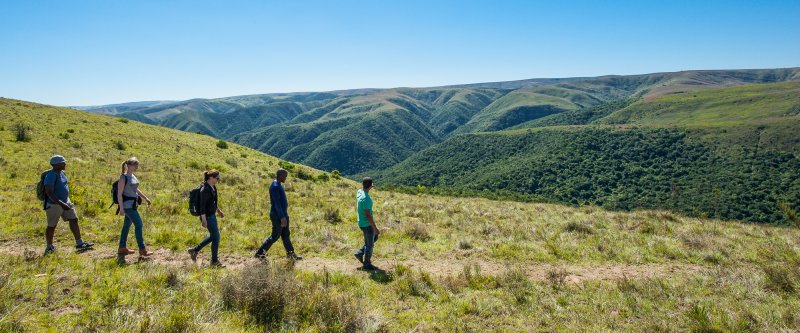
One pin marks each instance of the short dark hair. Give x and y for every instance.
(281, 171)
(210, 173)
(367, 182)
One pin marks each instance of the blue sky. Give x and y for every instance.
(100, 52)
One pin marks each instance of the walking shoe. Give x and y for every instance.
(359, 257)
(145, 253)
(260, 255)
(293, 256)
(50, 249)
(217, 264)
(369, 267)
(125, 251)
(83, 246)
(192, 254)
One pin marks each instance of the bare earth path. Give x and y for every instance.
(444, 267)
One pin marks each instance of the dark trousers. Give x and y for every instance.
(369, 243)
(212, 238)
(278, 232)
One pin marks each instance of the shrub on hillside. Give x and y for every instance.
(419, 232)
(272, 295)
(22, 132)
(222, 144)
(332, 215)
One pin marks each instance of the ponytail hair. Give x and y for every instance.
(130, 161)
(210, 173)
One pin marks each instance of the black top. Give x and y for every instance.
(208, 199)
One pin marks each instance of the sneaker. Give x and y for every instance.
(50, 249)
(293, 256)
(145, 253)
(260, 255)
(369, 267)
(192, 254)
(359, 257)
(217, 264)
(84, 246)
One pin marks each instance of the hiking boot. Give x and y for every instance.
(144, 253)
(84, 246)
(369, 267)
(260, 255)
(216, 264)
(125, 251)
(192, 254)
(293, 256)
(50, 249)
(360, 257)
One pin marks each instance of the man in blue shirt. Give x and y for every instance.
(58, 206)
(279, 216)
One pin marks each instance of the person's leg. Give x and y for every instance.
(53, 213)
(369, 243)
(273, 237)
(137, 227)
(213, 229)
(363, 248)
(123, 236)
(286, 238)
(204, 242)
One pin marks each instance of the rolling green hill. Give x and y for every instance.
(449, 263)
(291, 125)
(730, 153)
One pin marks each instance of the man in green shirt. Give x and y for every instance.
(366, 222)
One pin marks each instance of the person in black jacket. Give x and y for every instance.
(208, 217)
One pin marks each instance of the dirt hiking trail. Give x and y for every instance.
(571, 273)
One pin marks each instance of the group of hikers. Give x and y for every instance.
(127, 194)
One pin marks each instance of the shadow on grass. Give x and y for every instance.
(379, 275)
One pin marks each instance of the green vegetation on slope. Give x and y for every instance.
(613, 168)
(747, 277)
(749, 104)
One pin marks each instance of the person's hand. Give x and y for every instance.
(204, 223)
(64, 206)
(377, 231)
(221, 214)
(284, 222)
(148, 201)
(121, 212)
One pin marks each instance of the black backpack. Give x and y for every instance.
(194, 200)
(115, 200)
(41, 194)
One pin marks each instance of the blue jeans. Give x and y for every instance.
(369, 243)
(278, 232)
(132, 216)
(213, 238)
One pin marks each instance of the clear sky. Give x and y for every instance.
(100, 52)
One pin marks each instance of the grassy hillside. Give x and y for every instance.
(519, 266)
(750, 104)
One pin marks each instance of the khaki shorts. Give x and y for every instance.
(54, 212)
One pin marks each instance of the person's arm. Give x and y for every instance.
(49, 191)
(120, 189)
(368, 213)
(205, 196)
(141, 194)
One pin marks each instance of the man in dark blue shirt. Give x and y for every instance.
(279, 216)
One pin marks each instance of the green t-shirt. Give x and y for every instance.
(364, 203)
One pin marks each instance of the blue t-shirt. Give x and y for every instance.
(278, 201)
(59, 183)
